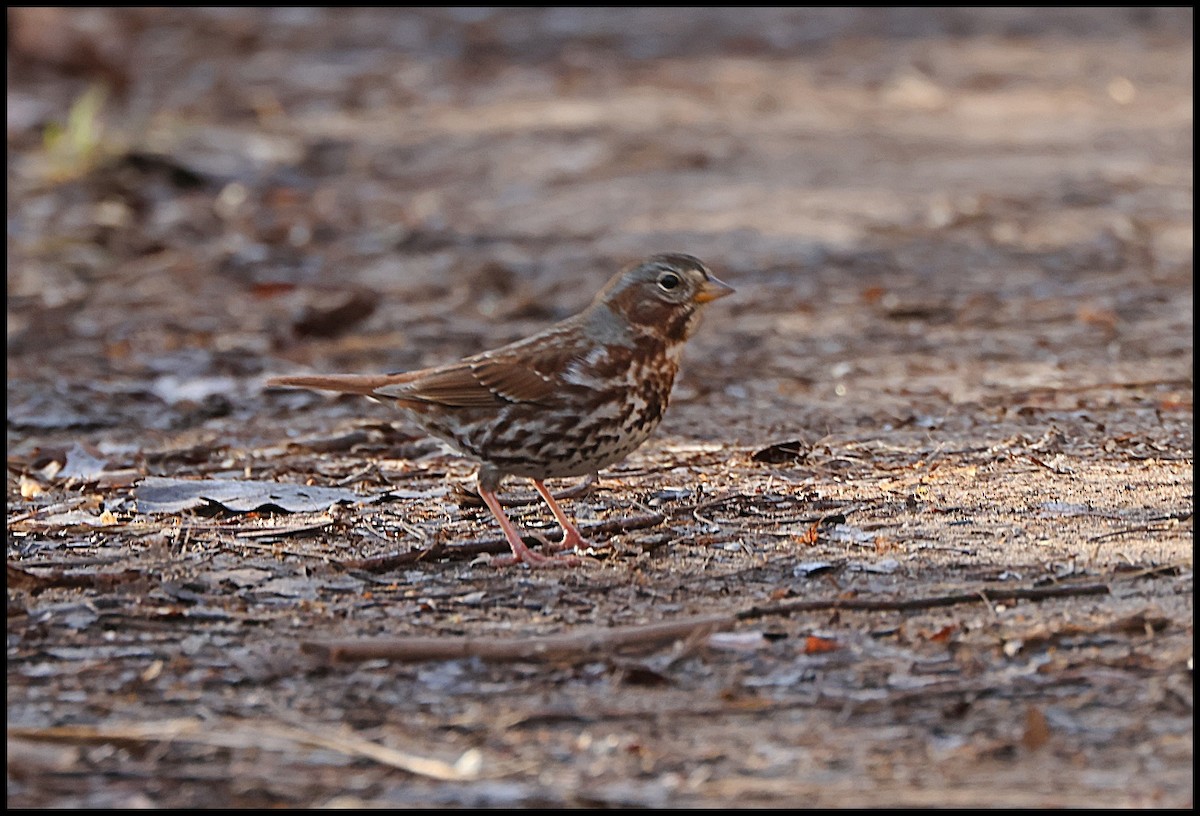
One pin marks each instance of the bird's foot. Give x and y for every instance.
(573, 541)
(534, 559)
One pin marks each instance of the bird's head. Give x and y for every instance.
(664, 292)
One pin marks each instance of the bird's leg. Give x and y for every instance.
(521, 553)
(572, 538)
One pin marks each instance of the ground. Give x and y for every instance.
(917, 528)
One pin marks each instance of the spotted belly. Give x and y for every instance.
(586, 429)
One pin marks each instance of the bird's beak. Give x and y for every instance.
(713, 289)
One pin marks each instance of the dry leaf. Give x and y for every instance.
(814, 644)
(943, 635)
(1037, 730)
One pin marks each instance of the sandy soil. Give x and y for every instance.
(916, 531)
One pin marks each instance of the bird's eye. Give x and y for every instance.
(668, 281)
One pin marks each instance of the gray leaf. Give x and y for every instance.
(163, 495)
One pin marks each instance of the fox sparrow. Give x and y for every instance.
(573, 398)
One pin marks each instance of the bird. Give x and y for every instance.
(567, 401)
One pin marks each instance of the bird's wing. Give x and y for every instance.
(529, 370)
(477, 383)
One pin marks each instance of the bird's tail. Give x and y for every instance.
(365, 384)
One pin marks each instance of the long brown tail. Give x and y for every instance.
(365, 384)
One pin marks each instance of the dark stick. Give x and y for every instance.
(595, 643)
(904, 604)
(598, 643)
(470, 549)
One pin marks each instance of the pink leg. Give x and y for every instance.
(521, 553)
(572, 538)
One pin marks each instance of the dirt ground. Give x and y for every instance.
(917, 528)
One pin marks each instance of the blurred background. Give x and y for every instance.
(197, 196)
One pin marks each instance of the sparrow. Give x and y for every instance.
(576, 397)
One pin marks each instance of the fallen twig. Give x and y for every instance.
(1148, 527)
(573, 646)
(826, 698)
(1145, 528)
(470, 549)
(258, 735)
(282, 530)
(904, 604)
(274, 549)
(589, 644)
(18, 578)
